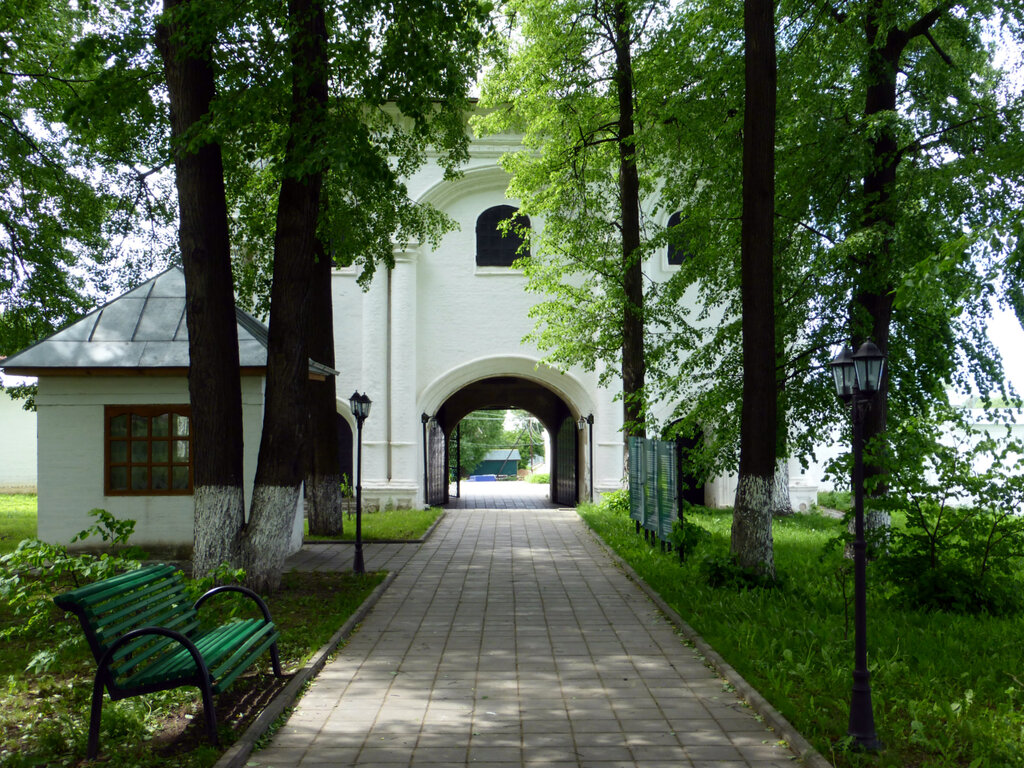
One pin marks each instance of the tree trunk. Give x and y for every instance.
(633, 362)
(323, 474)
(752, 515)
(871, 308)
(214, 385)
(782, 505)
(280, 470)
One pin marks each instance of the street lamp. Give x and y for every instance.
(857, 378)
(424, 420)
(360, 405)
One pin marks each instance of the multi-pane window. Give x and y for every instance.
(495, 248)
(148, 450)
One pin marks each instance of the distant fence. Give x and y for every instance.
(653, 489)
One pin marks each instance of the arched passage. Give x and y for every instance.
(546, 403)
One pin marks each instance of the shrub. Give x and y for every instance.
(963, 541)
(723, 572)
(687, 536)
(539, 477)
(616, 501)
(36, 571)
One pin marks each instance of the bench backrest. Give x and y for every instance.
(153, 596)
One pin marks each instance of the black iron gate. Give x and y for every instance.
(566, 464)
(437, 465)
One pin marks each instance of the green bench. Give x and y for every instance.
(146, 636)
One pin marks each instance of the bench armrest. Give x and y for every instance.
(235, 588)
(126, 638)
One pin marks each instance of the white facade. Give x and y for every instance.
(17, 446)
(71, 456)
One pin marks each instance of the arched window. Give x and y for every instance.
(495, 248)
(677, 252)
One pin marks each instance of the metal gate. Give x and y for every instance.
(437, 465)
(566, 464)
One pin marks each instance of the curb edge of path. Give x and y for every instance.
(803, 748)
(239, 752)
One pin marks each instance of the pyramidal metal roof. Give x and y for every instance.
(144, 328)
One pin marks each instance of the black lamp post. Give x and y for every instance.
(857, 379)
(424, 420)
(360, 405)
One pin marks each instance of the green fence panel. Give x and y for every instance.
(650, 466)
(665, 487)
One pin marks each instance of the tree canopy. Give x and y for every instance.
(74, 226)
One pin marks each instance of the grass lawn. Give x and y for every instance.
(44, 715)
(17, 519)
(391, 524)
(948, 690)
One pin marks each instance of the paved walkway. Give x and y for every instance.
(338, 556)
(505, 494)
(511, 639)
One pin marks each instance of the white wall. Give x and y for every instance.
(17, 446)
(71, 455)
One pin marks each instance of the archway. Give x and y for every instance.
(506, 392)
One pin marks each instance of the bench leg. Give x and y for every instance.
(211, 714)
(275, 660)
(95, 716)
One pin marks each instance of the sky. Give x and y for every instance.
(1007, 335)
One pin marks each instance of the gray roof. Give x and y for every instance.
(144, 328)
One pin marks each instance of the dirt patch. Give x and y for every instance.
(185, 729)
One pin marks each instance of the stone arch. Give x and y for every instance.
(485, 178)
(565, 385)
(345, 428)
(556, 399)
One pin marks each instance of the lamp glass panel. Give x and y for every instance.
(843, 374)
(876, 368)
(869, 372)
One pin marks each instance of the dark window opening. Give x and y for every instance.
(495, 248)
(678, 250)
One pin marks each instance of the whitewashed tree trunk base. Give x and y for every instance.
(265, 544)
(218, 519)
(876, 532)
(752, 542)
(782, 505)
